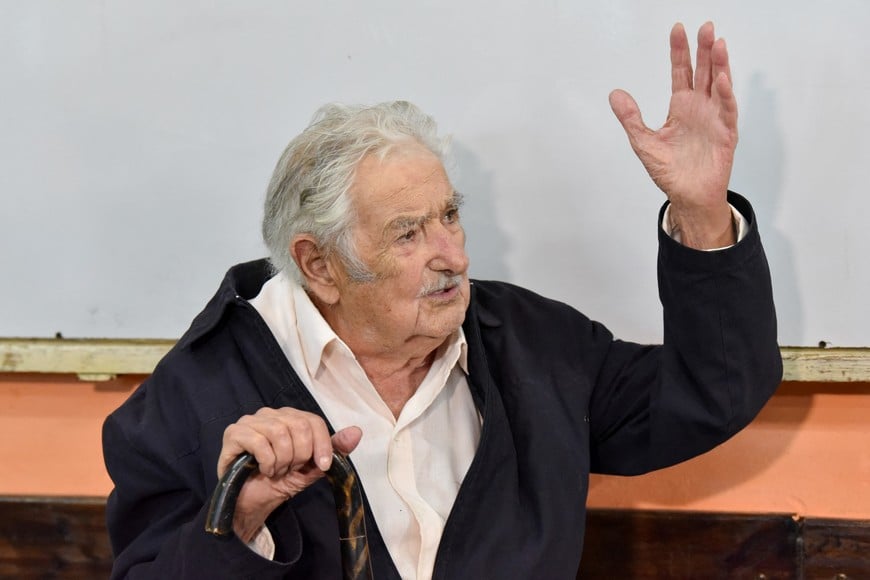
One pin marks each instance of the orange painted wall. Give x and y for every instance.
(807, 453)
(50, 427)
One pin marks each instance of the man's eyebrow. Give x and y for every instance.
(408, 222)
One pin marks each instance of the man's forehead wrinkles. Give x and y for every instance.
(405, 188)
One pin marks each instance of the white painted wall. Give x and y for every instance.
(136, 140)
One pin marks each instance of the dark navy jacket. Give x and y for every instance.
(559, 397)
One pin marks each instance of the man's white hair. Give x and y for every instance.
(309, 192)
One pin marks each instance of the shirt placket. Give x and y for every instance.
(402, 476)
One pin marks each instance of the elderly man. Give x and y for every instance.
(473, 412)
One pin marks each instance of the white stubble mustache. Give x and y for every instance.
(443, 282)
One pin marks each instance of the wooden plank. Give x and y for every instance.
(104, 358)
(91, 359)
(54, 538)
(653, 545)
(824, 365)
(838, 549)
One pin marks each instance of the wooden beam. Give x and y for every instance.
(90, 359)
(93, 359)
(826, 365)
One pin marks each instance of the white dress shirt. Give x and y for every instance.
(411, 466)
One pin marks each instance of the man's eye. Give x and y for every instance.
(408, 236)
(452, 216)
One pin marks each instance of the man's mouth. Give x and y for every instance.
(445, 287)
(446, 292)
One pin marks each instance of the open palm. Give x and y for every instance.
(691, 155)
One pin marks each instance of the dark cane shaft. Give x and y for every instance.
(355, 561)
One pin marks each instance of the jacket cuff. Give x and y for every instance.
(683, 258)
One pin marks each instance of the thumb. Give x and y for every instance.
(627, 112)
(347, 439)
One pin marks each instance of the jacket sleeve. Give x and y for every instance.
(156, 513)
(654, 406)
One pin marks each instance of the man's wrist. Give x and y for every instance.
(738, 228)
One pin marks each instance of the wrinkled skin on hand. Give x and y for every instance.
(690, 157)
(293, 449)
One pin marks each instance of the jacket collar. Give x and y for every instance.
(241, 283)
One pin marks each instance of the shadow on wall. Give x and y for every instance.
(759, 168)
(487, 245)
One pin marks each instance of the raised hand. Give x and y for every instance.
(293, 449)
(691, 155)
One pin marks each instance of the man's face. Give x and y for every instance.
(408, 234)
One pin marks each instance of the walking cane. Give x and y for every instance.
(348, 504)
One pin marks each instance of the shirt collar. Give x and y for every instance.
(315, 334)
(463, 349)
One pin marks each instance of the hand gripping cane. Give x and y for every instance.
(348, 504)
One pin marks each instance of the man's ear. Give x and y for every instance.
(316, 269)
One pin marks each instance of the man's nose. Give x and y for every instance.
(448, 248)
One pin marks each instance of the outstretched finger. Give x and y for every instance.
(723, 94)
(704, 73)
(720, 61)
(681, 60)
(723, 91)
(627, 112)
